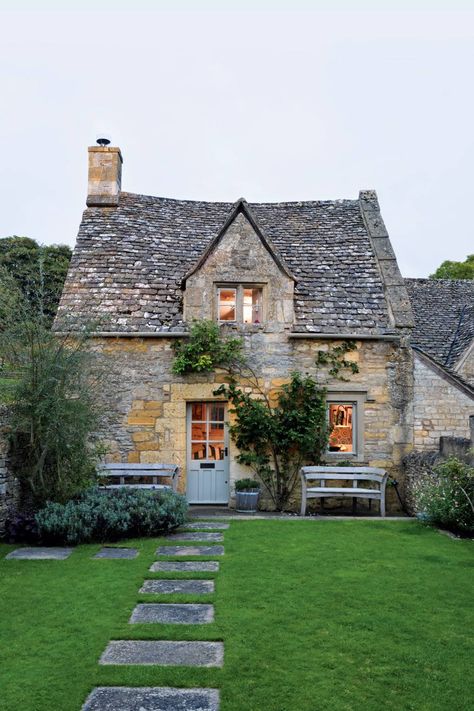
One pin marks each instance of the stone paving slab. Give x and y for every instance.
(180, 587)
(121, 698)
(173, 614)
(214, 537)
(49, 553)
(185, 566)
(112, 553)
(164, 653)
(190, 550)
(211, 525)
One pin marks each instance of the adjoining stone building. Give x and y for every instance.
(292, 278)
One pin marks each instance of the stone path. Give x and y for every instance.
(181, 587)
(168, 652)
(119, 698)
(208, 525)
(40, 553)
(173, 613)
(185, 566)
(214, 537)
(190, 550)
(117, 553)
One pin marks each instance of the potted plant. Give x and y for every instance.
(247, 492)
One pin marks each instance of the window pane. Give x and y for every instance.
(216, 431)
(227, 304)
(341, 421)
(198, 431)
(215, 451)
(199, 411)
(252, 306)
(198, 450)
(216, 412)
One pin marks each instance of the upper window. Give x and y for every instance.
(239, 304)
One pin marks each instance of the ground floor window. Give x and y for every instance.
(342, 420)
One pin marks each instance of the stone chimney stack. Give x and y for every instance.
(105, 176)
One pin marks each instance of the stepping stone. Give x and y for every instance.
(214, 537)
(114, 553)
(184, 614)
(185, 566)
(164, 653)
(190, 550)
(121, 698)
(211, 525)
(183, 587)
(40, 554)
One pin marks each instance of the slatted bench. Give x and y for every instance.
(121, 475)
(350, 474)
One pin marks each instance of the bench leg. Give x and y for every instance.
(303, 506)
(382, 504)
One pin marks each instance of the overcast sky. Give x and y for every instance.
(213, 101)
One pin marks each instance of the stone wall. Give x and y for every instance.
(146, 403)
(9, 491)
(440, 407)
(466, 365)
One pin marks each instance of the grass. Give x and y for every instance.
(330, 615)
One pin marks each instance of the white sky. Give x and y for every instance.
(267, 100)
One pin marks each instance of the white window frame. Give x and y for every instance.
(239, 303)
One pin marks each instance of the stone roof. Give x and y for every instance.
(130, 260)
(444, 317)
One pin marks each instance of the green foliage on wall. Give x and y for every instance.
(207, 349)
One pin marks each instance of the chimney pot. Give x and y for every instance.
(105, 176)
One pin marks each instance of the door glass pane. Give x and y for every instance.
(216, 411)
(198, 431)
(215, 451)
(199, 411)
(198, 450)
(227, 304)
(252, 305)
(341, 423)
(216, 431)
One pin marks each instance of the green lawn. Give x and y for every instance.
(314, 615)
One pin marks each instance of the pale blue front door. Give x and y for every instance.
(208, 454)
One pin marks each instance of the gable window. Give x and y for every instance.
(240, 304)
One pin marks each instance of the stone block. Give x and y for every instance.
(133, 457)
(40, 554)
(190, 550)
(164, 653)
(214, 537)
(180, 587)
(204, 525)
(185, 566)
(142, 436)
(141, 417)
(121, 698)
(155, 405)
(147, 446)
(111, 553)
(172, 614)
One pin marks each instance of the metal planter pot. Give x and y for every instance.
(247, 501)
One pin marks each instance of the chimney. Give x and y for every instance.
(105, 175)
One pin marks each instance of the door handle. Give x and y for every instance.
(226, 452)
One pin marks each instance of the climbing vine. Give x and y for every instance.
(207, 349)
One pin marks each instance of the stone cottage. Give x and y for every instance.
(292, 278)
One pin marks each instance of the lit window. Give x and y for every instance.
(227, 304)
(252, 305)
(342, 427)
(241, 304)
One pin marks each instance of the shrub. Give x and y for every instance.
(246, 485)
(107, 515)
(207, 349)
(448, 497)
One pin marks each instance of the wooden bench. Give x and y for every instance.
(123, 473)
(351, 474)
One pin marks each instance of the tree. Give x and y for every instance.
(53, 406)
(39, 271)
(455, 270)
